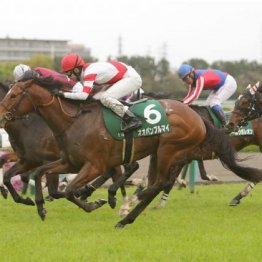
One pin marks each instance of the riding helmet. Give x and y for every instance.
(19, 71)
(71, 61)
(184, 70)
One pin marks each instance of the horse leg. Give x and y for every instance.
(236, 200)
(87, 173)
(53, 168)
(25, 177)
(17, 168)
(163, 200)
(52, 182)
(88, 189)
(131, 201)
(203, 173)
(129, 170)
(5, 158)
(116, 175)
(145, 197)
(174, 174)
(4, 192)
(163, 177)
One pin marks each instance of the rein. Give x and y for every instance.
(67, 114)
(10, 115)
(253, 110)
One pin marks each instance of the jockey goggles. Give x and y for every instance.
(69, 73)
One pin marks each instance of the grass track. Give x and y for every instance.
(192, 227)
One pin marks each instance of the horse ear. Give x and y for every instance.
(254, 88)
(257, 85)
(250, 89)
(248, 86)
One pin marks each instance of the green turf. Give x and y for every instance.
(192, 227)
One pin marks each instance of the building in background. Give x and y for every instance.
(20, 49)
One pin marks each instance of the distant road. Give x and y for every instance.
(214, 167)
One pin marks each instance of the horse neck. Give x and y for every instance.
(59, 115)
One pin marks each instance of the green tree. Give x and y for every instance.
(198, 63)
(40, 61)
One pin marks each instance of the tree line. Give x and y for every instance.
(157, 75)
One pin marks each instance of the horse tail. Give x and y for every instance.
(227, 154)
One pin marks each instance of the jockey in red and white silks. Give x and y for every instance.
(115, 78)
(106, 82)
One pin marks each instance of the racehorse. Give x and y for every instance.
(35, 145)
(248, 106)
(88, 147)
(239, 142)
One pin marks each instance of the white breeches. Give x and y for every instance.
(128, 84)
(223, 93)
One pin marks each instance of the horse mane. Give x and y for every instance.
(49, 83)
(4, 87)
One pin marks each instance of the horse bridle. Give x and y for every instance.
(10, 115)
(253, 110)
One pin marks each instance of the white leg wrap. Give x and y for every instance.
(247, 189)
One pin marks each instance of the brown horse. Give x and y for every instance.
(35, 145)
(89, 149)
(239, 142)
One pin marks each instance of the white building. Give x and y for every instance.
(20, 49)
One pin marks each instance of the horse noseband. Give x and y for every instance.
(9, 116)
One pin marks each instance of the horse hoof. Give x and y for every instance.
(100, 202)
(112, 202)
(119, 225)
(49, 198)
(4, 193)
(28, 201)
(42, 213)
(234, 202)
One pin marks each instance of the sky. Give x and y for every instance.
(176, 29)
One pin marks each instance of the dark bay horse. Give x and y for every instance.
(88, 147)
(248, 106)
(34, 145)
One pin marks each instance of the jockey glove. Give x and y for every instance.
(58, 92)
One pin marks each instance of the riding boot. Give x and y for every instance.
(220, 115)
(131, 121)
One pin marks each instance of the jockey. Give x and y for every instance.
(106, 82)
(221, 84)
(19, 73)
